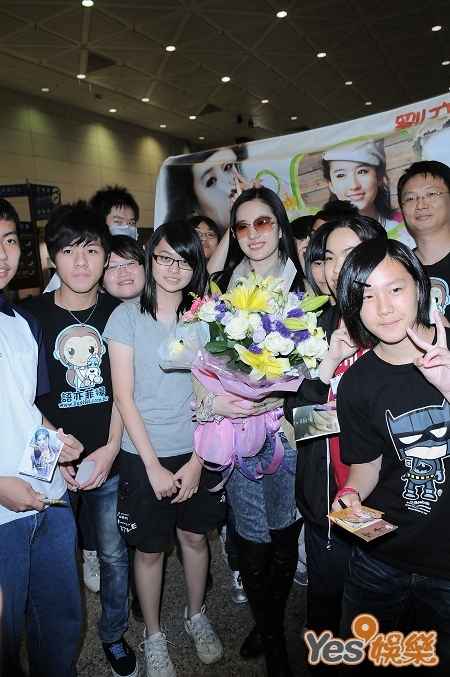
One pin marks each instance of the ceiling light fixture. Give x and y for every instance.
(368, 103)
(321, 55)
(87, 3)
(201, 138)
(282, 14)
(163, 126)
(192, 117)
(113, 110)
(293, 117)
(45, 89)
(145, 99)
(348, 82)
(170, 48)
(226, 79)
(81, 76)
(264, 100)
(435, 29)
(445, 63)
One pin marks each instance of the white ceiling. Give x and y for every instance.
(386, 48)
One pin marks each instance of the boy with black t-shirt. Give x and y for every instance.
(38, 573)
(73, 319)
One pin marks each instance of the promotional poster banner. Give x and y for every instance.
(359, 160)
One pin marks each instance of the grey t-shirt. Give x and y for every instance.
(162, 397)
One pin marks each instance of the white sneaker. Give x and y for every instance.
(157, 660)
(301, 574)
(237, 592)
(91, 570)
(208, 645)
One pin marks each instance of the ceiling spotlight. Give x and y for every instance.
(170, 48)
(321, 55)
(348, 82)
(435, 29)
(113, 110)
(201, 138)
(163, 126)
(226, 79)
(81, 76)
(192, 117)
(264, 100)
(45, 89)
(445, 63)
(87, 3)
(368, 103)
(145, 99)
(293, 117)
(282, 14)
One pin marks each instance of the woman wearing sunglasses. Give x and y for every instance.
(266, 522)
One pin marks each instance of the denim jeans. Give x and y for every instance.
(400, 601)
(38, 577)
(267, 504)
(101, 504)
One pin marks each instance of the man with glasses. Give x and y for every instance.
(424, 197)
(208, 232)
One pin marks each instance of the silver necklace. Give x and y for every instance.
(76, 318)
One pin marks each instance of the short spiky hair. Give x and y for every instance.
(74, 224)
(113, 196)
(8, 213)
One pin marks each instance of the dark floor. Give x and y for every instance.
(232, 622)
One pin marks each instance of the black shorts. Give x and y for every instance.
(147, 523)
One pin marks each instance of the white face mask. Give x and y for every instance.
(131, 231)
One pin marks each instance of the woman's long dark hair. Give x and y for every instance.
(185, 241)
(286, 243)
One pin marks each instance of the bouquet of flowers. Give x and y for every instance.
(262, 340)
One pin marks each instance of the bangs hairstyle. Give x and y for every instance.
(334, 210)
(185, 241)
(8, 213)
(212, 225)
(438, 170)
(182, 201)
(359, 265)
(113, 196)
(127, 248)
(75, 224)
(286, 245)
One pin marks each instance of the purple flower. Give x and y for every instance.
(296, 312)
(219, 316)
(300, 336)
(266, 323)
(256, 350)
(259, 335)
(226, 318)
(216, 295)
(280, 327)
(220, 307)
(299, 294)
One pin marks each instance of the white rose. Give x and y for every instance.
(312, 350)
(237, 328)
(207, 311)
(277, 344)
(254, 320)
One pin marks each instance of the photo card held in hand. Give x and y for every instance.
(41, 454)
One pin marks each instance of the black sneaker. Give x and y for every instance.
(121, 658)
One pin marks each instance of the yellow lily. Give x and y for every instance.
(248, 299)
(264, 363)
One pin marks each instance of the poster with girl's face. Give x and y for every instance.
(359, 160)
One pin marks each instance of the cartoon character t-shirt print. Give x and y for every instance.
(80, 348)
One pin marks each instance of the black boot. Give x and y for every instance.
(256, 568)
(285, 562)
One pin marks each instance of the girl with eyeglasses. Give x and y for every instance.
(162, 484)
(124, 276)
(267, 526)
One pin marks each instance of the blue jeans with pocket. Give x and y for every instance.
(101, 504)
(267, 504)
(400, 600)
(39, 579)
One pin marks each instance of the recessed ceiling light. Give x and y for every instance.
(201, 138)
(145, 99)
(45, 89)
(348, 82)
(113, 110)
(282, 14)
(81, 76)
(170, 48)
(264, 100)
(192, 117)
(163, 126)
(445, 63)
(321, 55)
(293, 117)
(435, 29)
(368, 103)
(226, 79)
(87, 3)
